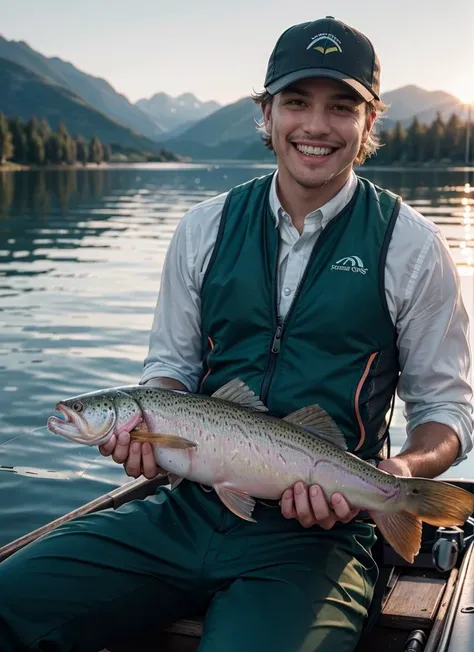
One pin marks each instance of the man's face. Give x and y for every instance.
(317, 127)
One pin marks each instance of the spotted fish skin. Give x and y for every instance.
(264, 455)
(229, 442)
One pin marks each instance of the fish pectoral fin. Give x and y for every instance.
(162, 441)
(239, 502)
(175, 480)
(400, 530)
(238, 392)
(317, 421)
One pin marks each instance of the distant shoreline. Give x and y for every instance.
(74, 166)
(16, 167)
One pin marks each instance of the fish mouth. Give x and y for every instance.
(75, 428)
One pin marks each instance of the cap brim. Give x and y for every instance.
(292, 77)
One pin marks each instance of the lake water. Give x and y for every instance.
(81, 254)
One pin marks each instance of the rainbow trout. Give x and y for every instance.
(228, 441)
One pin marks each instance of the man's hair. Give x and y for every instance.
(366, 150)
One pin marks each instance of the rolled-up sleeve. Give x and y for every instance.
(175, 347)
(433, 341)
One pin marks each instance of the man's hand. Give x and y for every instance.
(310, 507)
(138, 459)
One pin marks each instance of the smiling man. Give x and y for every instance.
(314, 287)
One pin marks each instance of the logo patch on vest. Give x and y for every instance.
(349, 264)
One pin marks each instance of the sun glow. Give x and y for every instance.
(467, 97)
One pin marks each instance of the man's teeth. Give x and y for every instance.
(314, 151)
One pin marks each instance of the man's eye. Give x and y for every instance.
(343, 108)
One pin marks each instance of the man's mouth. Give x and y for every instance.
(315, 151)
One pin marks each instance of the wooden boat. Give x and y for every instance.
(424, 607)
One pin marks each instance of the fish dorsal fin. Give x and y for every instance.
(238, 392)
(317, 421)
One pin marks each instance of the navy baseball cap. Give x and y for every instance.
(324, 48)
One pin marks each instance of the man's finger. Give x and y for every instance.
(320, 506)
(304, 511)
(288, 504)
(109, 446)
(133, 465)
(149, 467)
(342, 508)
(121, 451)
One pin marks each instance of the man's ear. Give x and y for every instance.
(369, 123)
(267, 116)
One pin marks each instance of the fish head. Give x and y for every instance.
(92, 418)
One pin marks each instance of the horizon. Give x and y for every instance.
(427, 55)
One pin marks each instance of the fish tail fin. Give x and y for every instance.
(162, 441)
(401, 530)
(438, 503)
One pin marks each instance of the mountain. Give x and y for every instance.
(227, 133)
(94, 90)
(445, 109)
(411, 100)
(170, 113)
(25, 93)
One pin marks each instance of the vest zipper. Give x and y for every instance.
(274, 351)
(277, 336)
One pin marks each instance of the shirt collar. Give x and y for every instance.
(325, 213)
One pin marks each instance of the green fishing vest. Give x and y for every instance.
(337, 345)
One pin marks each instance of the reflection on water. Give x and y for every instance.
(81, 253)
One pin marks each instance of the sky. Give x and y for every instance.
(219, 49)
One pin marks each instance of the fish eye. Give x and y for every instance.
(77, 407)
(415, 491)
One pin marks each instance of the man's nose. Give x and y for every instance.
(318, 123)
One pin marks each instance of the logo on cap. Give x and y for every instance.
(325, 43)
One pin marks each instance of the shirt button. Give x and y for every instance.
(287, 291)
(297, 247)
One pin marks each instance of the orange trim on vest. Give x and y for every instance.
(356, 400)
(209, 370)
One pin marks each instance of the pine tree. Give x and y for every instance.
(20, 145)
(451, 145)
(54, 149)
(6, 145)
(35, 142)
(384, 154)
(96, 151)
(398, 143)
(45, 133)
(45, 129)
(434, 138)
(82, 149)
(415, 142)
(68, 147)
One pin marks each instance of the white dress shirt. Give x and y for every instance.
(421, 286)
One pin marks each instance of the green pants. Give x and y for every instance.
(118, 575)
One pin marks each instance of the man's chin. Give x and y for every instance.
(312, 181)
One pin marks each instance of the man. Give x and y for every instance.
(313, 286)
